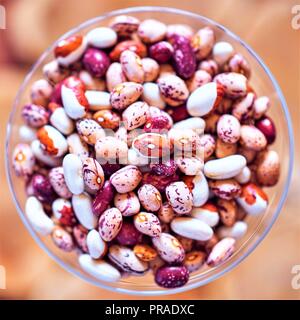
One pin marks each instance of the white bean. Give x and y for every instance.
(82, 205)
(192, 228)
(99, 269)
(72, 166)
(37, 216)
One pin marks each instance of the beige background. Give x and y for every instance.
(266, 25)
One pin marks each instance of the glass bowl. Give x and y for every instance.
(263, 82)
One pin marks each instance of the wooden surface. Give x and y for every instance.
(266, 26)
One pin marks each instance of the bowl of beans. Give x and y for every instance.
(149, 151)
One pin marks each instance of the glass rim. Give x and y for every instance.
(251, 247)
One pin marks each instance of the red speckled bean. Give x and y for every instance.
(172, 277)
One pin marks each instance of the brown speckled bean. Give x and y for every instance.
(234, 84)
(147, 223)
(227, 211)
(127, 203)
(229, 128)
(221, 252)
(150, 197)
(225, 189)
(252, 138)
(93, 174)
(194, 260)
(126, 179)
(62, 239)
(144, 252)
(169, 248)
(132, 66)
(110, 224)
(135, 115)
(125, 94)
(179, 197)
(268, 168)
(173, 90)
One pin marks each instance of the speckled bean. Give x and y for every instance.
(179, 197)
(110, 224)
(132, 66)
(23, 160)
(127, 203)
(151, 31)
(111, 149)
(268, 168)
(93, 175)
(126, 259)
(144, 252)
(147, 223)
(114, 76)
(221, 252)
(151, 69)
(40, 92)
(152, 145)
(35, 116)
(190, 166)
(225, 189)
(150, 197)
(229, 128)
(172, 277)
(184, 60)
(234, 84)
(62, 239)
(242, 108)
(169, 248)
(126, 179)
(252, 138)
(203, 42)
(125, 94)
(173, 90)
(135, 115)
(194, 260)
(103, 198)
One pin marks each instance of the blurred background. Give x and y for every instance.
(264, 24)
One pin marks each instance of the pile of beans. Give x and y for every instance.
(144, 147)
